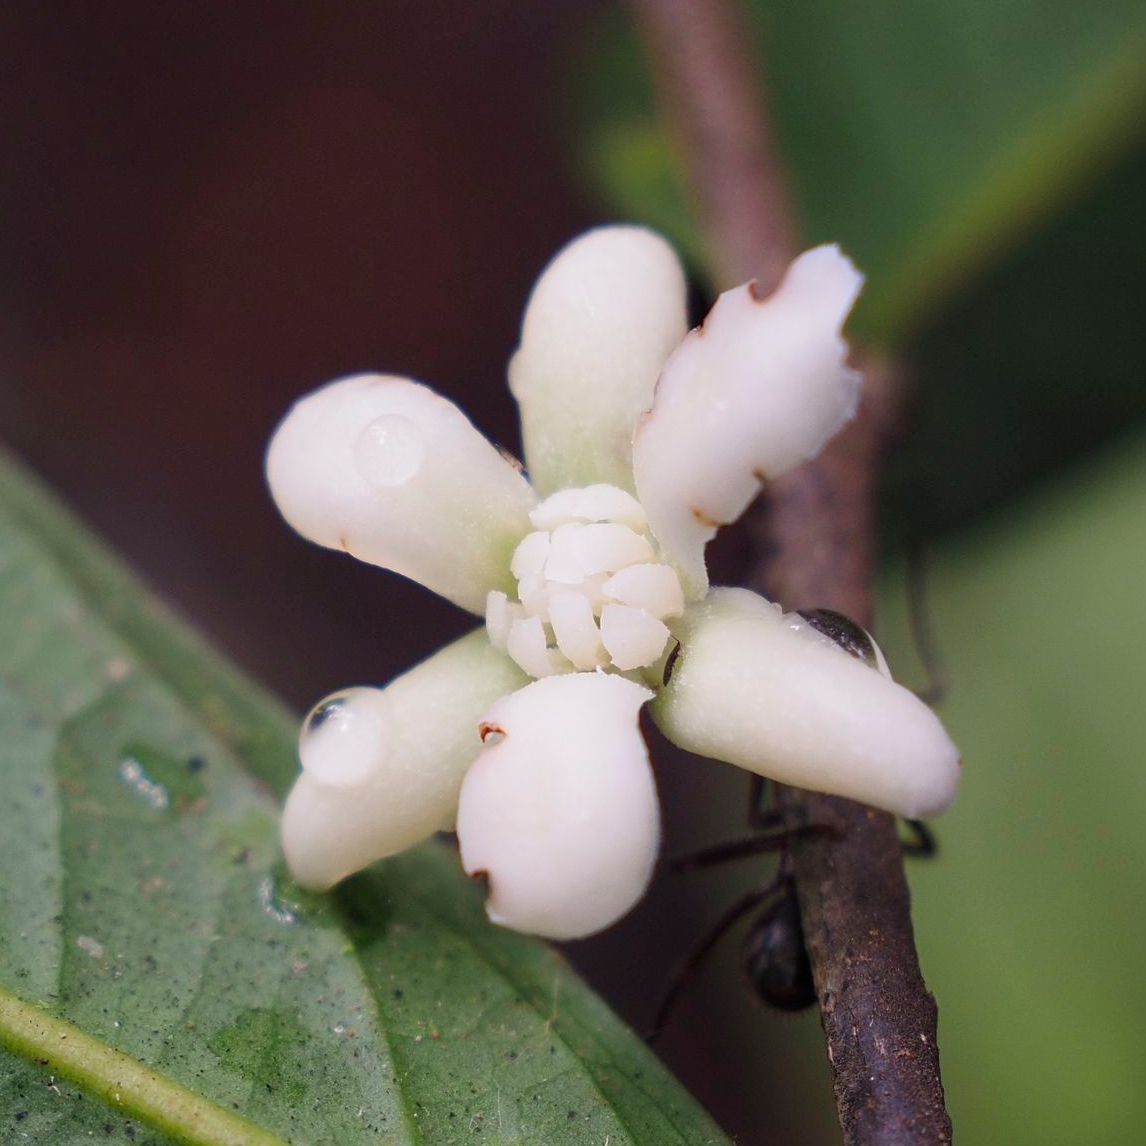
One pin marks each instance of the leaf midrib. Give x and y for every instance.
(124, 1083)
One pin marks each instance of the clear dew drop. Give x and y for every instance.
(389, 452)
(345, 737)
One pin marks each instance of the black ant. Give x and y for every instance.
(774, 956)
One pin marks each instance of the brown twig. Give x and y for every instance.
(814, 540)
(710, 89)
(879, 1019)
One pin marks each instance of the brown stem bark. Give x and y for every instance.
(814, 540)
(710, 90)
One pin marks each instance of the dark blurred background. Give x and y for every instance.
(209, 209)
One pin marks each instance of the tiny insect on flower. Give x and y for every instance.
(640, 439)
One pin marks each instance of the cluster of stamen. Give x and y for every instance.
(591, 593)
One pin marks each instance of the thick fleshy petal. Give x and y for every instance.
(382, 767)
(785, 702)
(559, 811)
(601, 321)
(396, 475)
(753, 391)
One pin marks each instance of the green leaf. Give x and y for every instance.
(925, 137)
(1039, 366)
(1032, 920)
(144, 913)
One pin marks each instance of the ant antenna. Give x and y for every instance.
(922, 629)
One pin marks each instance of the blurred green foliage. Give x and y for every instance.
(925, 137)
(1032, 921)
(1039, 365)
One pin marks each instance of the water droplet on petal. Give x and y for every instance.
(389, 451)
(346, 736)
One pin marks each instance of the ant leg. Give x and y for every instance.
(922, 843)
(737, 849)
(783, 822)
(692, 962)
(922, 630)
(759, 817)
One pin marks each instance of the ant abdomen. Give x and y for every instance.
(774, 957)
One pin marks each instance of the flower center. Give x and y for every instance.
(591, 593)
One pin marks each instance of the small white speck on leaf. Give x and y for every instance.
(90, 946)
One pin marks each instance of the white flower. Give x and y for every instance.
(640, 440)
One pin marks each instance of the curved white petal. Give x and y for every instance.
(560, 809)
(785, 702)
(396, 475)
(382, 767)
(756, 389)
(601, 321)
